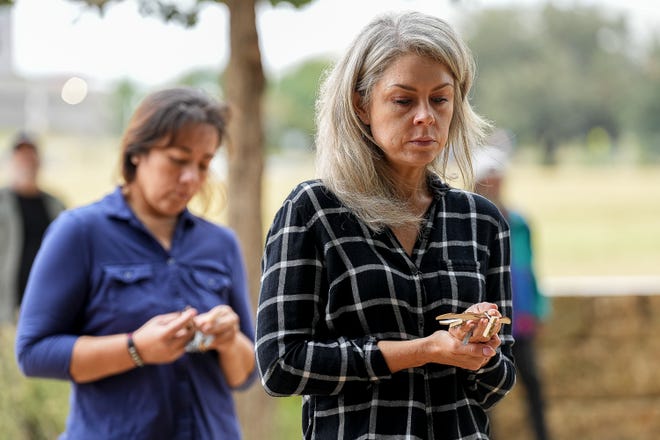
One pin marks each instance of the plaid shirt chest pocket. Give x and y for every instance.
(461, 282)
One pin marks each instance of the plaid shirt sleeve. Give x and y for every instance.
(293, 355)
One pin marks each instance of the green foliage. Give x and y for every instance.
(125, 98)
(210, 80)
(290, 105)
(166, 10)
(169, 11)
(126, 94)
(644, 114)
(553, 75)
(296, 3)
(30, 409)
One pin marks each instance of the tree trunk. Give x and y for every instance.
(244, 86)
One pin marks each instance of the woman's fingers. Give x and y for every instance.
(181, 329)
(218, 320)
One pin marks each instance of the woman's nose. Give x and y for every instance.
(424, 116)
(190, 174)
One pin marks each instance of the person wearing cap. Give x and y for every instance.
(529, 305)
(25, 212)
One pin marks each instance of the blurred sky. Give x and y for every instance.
(63, 37)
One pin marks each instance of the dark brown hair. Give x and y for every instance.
(161, 115)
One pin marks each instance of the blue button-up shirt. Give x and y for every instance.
(100, 272)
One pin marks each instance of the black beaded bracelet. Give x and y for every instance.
(133, 352)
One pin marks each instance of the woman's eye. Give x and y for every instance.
(402, 101)
(178, 161)
(440, 100)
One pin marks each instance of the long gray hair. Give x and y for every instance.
(348, 160)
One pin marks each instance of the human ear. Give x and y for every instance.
(359, 109)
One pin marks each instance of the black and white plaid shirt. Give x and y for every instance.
(331, 289)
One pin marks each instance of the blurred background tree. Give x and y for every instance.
(554, 75)
(644, 111)
(290, 102)
(126, 97)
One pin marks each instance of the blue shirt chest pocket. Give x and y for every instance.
(208, 288)
(131, 290)
(129, 274)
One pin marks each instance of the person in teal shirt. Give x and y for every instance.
(530, 307)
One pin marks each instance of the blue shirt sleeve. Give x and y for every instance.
(54, 298)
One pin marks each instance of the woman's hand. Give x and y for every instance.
(222, 323)
(438, 348)
(163, 338)
(235, 350)
(469, 345)
(443, 348)
(481, 330)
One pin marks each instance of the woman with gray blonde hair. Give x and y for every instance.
(348, 159)
(359, 263)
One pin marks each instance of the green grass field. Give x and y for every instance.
(592, 220)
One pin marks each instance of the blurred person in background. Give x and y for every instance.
(26, 210)
(530, 307)
(359, 263)
(142, 305)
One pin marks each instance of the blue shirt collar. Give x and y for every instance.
(117, 207)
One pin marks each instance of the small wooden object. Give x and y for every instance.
(454, 319)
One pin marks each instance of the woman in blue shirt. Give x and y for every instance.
(142, 305)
